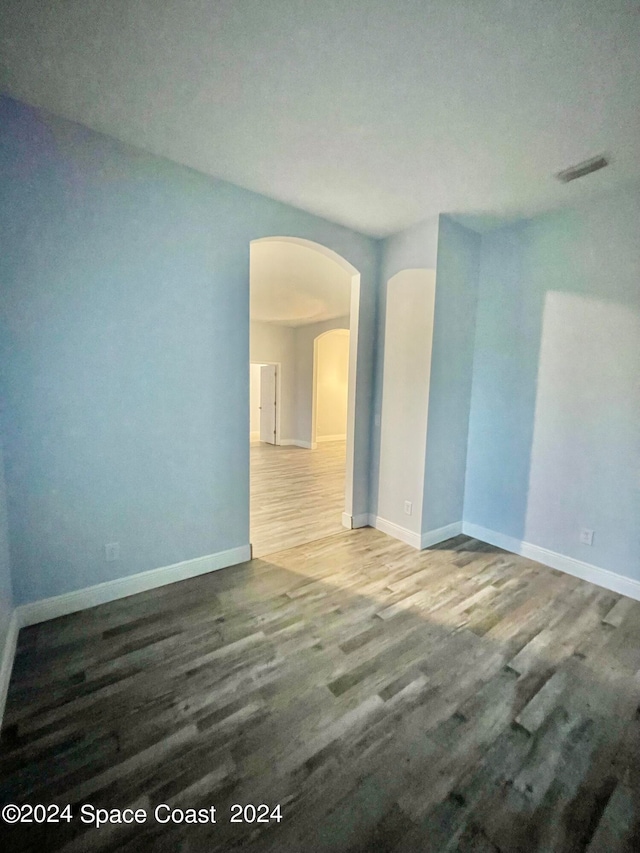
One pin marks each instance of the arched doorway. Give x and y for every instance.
(300, 291)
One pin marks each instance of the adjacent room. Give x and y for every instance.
(320, 426)
(299, 393)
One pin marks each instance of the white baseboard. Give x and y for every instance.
(416, 540)
(440, 534)
(294, 442)
(401, 533)
(8, 655)
(352, 522)
(332, 438)
(80, 599)
(586, 571)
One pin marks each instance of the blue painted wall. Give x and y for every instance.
(454, 252)
(554, 437)
(451, 374)
(124, 348)
(124, 352)
(413, 248)
(504, 385)
(6, 591)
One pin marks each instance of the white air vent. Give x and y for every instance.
(582, 169)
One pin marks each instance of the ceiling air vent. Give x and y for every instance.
(582, 169)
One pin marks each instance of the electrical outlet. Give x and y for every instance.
(586, 536)
(408, 507)
(112, 552)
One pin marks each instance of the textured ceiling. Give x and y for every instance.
(373, 113)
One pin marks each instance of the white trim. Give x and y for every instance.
(416, 540)
(579, 569)
(295, 442)
(492, 537)
(331, 438)
(8, 655)
(352, 522)
(315, 247)
(401, 533)
(440, 534)
(278, 367)
(80, 599)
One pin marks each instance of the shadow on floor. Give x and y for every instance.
(455, 699)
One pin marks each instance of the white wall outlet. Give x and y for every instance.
(112, 552)
(408, 507)
(586, 536)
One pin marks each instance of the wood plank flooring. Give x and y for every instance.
(297, 495)
(456, 699)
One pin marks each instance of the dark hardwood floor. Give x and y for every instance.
(456, 699)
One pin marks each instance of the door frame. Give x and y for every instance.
(277, 366)
(354, 321)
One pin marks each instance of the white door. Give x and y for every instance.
(268, 403)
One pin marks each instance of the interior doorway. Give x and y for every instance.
(305, 303)
(268, 403)
(264, 421)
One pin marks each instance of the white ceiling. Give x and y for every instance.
(292, 285)
(373, 113)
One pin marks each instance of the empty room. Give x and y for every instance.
(320, 426)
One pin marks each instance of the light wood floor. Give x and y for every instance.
(297, 495)
(457, 699)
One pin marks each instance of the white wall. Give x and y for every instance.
(293, 348)
(271, 343)
(332, 384)
(304, 347)
(254, 401)
(405, 394)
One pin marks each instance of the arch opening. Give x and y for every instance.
(302, 292)
(408, 339)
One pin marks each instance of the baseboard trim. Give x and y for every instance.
(352, 522)
(294, 442)
(419, 541)
(91, 596)
(401, 533)
(578, 568)
(440, 534)
(332, 438)
(8, 655)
